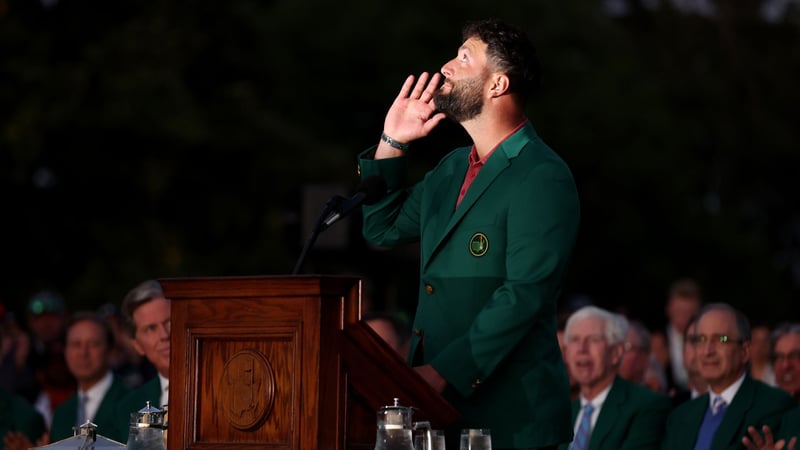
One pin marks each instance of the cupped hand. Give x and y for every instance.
(412, 114)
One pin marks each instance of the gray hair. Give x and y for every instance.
(616, 325)
(642, 334)
(782, 330)
(138, 296)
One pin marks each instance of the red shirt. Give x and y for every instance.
(475, 164)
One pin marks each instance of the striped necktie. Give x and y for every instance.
(584, 433)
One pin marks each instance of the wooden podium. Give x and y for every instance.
(282, 363)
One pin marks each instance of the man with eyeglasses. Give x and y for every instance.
(720, 418)
(786, 358)
(611, 413)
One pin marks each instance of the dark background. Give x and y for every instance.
(169, 139)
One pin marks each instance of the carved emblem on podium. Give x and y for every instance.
(247, 389)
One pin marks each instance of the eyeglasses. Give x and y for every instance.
(793, 356)
(630, 347)
(696, 339)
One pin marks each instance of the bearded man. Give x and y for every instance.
(497, 222)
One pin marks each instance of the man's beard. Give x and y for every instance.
(464, 101)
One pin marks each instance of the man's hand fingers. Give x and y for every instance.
(406, 88)
(748, 444)
(430, 89)
(767, 435)
(420, 86)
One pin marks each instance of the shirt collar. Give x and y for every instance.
(598, 400)
(163, 382)
(728, 393)
(473, 154)
(99, 389)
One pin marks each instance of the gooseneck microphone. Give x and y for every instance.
(371, 190)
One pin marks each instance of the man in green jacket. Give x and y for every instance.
(21, 426)
(148, 318)
(89, 341)
(720, 418)
(611, 412)
(496, 222)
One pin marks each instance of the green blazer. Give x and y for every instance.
(133, 402)
(790, 424)
(66, 414)
(491, 273)
(632, 417)
(17, 415)
(755, 404)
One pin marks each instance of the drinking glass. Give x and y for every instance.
(429, 440)
(476, 439)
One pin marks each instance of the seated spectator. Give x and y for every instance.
(149, 322)
(719, 419)
(786, 358)
(637, 353)
(611, 412)
(696, 386)
(47, 316)
(20, 423)
(760, 353)
(654, 376)
(392, 329)
(683, 302)
(88, 352)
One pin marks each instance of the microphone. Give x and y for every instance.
(370, 191)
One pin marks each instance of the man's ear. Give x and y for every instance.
(500, 84)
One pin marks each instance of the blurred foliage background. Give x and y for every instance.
(179, 139)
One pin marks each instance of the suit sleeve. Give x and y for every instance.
(396, 218)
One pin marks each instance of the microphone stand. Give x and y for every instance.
(332, 204)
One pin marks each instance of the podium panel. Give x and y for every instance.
(282, 363)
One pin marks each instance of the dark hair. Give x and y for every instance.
(138, 296)
(89, 316)
(685, 288)
(510, 51)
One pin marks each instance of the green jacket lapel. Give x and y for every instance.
(734, 415)
(443, 199)
(608, 413)
(493, 167)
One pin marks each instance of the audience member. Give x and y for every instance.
(392, 329)
(47, 316)
(683, 301)
(786, 358)
(147, 314)
(611, 413)
(89, 343)
(654, 376)
(719, 419)
(16, 374)
(126, 363)
(636, 358)
(20, 423)
(760, 356)
(695, 385)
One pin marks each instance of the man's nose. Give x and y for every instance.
(446, 70)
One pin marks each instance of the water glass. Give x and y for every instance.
(476, 439)
(429, 440)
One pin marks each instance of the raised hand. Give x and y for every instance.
(757, 442)
(412, 114)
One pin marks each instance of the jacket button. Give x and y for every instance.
(418, 332)
(476, 383)
(429, 289)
